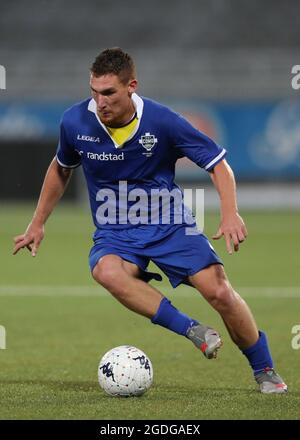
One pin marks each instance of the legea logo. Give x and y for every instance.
(83, 137)
(2, 78)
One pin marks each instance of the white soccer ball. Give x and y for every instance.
(125, 371)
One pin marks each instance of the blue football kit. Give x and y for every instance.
(123, 179)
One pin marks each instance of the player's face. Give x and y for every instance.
(113, 98)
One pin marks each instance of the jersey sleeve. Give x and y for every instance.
(192, 143)
(66, 155)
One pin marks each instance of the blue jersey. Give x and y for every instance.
(146, 161)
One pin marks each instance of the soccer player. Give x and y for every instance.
(128, 146)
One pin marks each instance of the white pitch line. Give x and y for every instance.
(48, 290)
(81, 291)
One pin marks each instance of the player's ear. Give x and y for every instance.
(132, 86)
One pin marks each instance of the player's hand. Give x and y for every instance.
(234, 230)
(31, 239)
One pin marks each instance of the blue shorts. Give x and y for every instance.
(178, 255)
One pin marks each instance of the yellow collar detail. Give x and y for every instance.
(121, 134)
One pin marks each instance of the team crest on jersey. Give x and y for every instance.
(148, 141)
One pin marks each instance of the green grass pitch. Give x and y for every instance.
(59, 323)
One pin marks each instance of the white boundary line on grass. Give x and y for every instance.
(81, 291)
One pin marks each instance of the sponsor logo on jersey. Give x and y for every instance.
(148, 141)
(83, 137)
(105, 156)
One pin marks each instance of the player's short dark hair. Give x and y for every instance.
(115, 61)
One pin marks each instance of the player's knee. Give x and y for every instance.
(223, 296)
(107, 274)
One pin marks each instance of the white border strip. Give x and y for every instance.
(67, 166)
(215, 159)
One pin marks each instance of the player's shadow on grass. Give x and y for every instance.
(58, 385)
(88, 386)
(172, 392)
(209, 392)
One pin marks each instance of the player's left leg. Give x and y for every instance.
(213, 284)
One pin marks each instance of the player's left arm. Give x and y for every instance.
(232, 225)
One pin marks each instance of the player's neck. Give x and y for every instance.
(126, 120)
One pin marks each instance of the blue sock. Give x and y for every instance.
(171, 318)
(259, 355)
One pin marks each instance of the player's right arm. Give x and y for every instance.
(55, 183)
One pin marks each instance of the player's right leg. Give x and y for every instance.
(121, 279)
